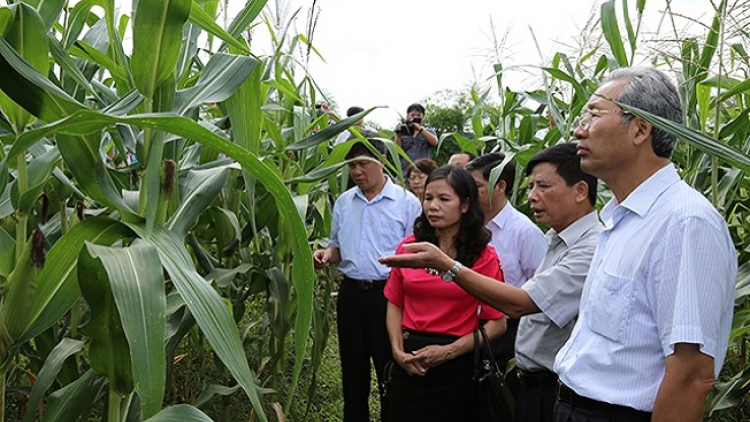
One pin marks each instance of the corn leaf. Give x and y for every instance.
(245, 17)
(695, 138)
(222, 76)
(206, 306)
(57, 284)
(199, 190)
(30, 89)
(39, 171)
(70, 402)
(46, 377)
(728, 394)
(19, 291)
(109, 350)
(612, 32)
(7, 254)
(27, 36)
(137, 286)
(84, 51)
(157, 35)
(180, 413)
(201, 19)
(244, 108)
(49, 10)
(188, 52)
(712, 41)
(329, 132)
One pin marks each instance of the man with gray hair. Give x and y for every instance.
(657, 304)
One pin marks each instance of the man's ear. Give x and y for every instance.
(643, 132)
(582, 191)
(501, 186)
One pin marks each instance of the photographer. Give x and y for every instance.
(416, 141)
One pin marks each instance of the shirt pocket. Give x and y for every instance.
(392, 232)
(611, 301)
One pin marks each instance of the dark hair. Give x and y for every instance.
(651, 90)
(415, 106)
(472, 236)
(360, 148)
(485, 163)
(354, 110)
(568, 163)
(424, 165)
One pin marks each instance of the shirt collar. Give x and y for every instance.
(503, 216)
(389, 191)
(645, 195)
(575, 230)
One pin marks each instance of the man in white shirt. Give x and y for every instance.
(658, 301)
(519, 243)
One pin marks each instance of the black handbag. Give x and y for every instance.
(492, 399)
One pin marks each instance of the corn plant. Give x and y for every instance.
(146, 192)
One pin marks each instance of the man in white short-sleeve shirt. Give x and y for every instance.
(658, 301)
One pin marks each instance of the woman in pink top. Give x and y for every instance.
(430, 321)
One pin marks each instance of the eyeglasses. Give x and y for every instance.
(584, 120)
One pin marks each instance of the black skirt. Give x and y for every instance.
(443, 394)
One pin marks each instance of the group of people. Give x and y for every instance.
(622, 315)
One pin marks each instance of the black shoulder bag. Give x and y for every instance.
(492, 399)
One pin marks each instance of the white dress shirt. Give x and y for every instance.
(519, 243)
(663, 273)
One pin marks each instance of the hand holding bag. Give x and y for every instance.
(492, 399)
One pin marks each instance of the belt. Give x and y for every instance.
(355, 284)
(566, 395)
(533, 379)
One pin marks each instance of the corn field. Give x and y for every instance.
(159, 204)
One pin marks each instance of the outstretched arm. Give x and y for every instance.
(501, 296)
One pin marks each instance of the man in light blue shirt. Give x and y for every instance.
(658, 301)
(369, 221)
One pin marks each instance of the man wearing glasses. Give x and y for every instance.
(657, 303)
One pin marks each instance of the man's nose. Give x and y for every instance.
(579, 133)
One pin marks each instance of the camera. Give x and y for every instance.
(407, 128)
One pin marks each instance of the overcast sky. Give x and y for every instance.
(396, 52)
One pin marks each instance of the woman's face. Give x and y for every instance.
(416, 182)
(442, 206)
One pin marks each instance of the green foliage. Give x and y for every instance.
(174, 192)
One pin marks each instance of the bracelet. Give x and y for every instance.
(420, 131)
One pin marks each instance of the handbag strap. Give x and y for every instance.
(487, 348)
(477, 350)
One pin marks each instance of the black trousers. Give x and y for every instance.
(587, 410)
(441, 395)
(536, 404)
(504, 350)
(362, 337)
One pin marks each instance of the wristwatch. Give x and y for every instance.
(449, 275)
